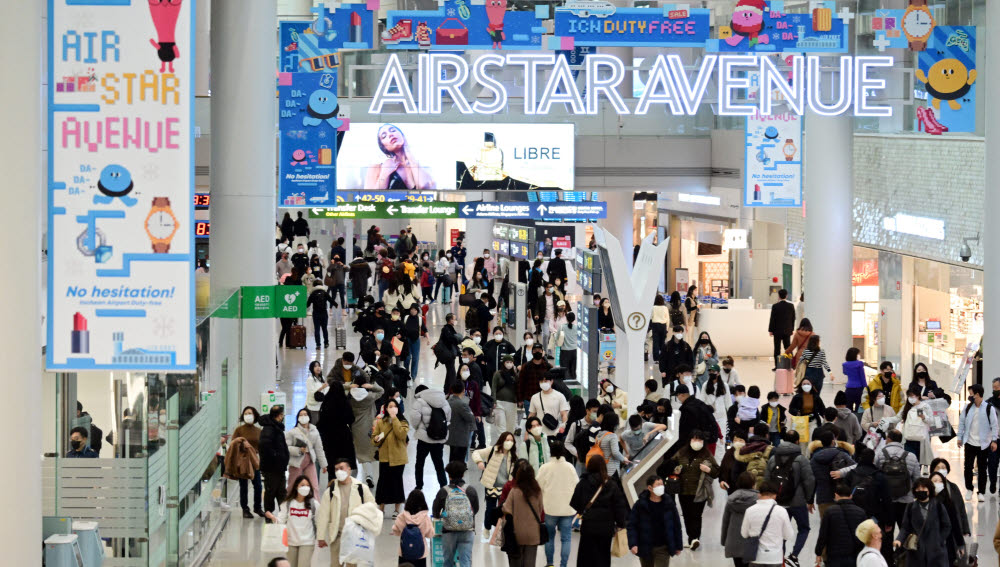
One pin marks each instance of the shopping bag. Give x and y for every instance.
(497, 538)
(272, 539)
(783, 381)
(938, 423)
(397, 345)
(619, 545)
(357, 545)
(800, 423)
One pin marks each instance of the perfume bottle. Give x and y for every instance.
(489, 167)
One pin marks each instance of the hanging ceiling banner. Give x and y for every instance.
(758, 26)
(596, 23)
(121, 185)
(312, 46)
(459, 25)
(310, 128)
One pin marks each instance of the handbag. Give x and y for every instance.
(543, 531)
(800, 423)
(619, 544)
(752, 543)
(397, 345)
(548, 420)
(672, 484)
(800, 370)
(497, 538)
(451, 36)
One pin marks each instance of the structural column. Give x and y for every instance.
(243, 169)
(829, 181)
(22, 34)
(991, 206)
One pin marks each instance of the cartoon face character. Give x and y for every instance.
(115, 181)
(495, 10)
(747, 19)
(165, 14)
(323, 107)
(390, 139)
(949, 80)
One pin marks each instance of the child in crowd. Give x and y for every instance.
(774, 415)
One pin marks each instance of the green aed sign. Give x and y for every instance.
(268, 301)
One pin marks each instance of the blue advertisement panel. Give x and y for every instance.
(590, 22)
(946, 79)
(772, 170)
(758, 26)
(459, 25)
(308, 125)
(311, 47)
(121, 186)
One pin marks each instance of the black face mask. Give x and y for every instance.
(922, 375)
(996, 393)
(887, 374)
(921, 495)
(537, 355)
(76, 445)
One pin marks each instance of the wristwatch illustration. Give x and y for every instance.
(918, 23)
(161, 225)
(789, 149)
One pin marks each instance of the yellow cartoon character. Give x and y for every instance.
(948, 80)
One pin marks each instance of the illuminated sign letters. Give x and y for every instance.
(445, 74)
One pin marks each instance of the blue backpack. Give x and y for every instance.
(411, 543)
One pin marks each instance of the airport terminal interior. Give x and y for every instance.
(536, 283)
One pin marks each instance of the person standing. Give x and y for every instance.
(504, 385)
(298, 514)
(675, 354)
(769, 522)
(430, 417)
(412, 329)
(359, 273)
(658, 320)
(654, 527)
(602, 509)
(335, 420)
(993, 460)
(320, 300)
(556, 269)
(977, 431)
(79, 449)
(462, 424)
(390, 436)
(273, 456)
(287, 227)
(447, 350)
(363, 395)
(301, 228)
(569, 346)
(557, 479)
(524, 508)
(458, 502)
(315, 384)
(816, 364)
(339, 501)
(836, 541)
(249, 432)
(531, 374)
(305, 452)
(799, 340)
(781, 324)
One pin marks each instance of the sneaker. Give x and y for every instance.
(695, 544)
(402, 31)
(423, 34)
(982, 497)
(968, 495)
(792, 561)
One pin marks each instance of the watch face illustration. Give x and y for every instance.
(918, 23)
(161, 225)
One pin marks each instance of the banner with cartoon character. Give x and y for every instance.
(759, 26)
(946, 78)
(459, 25)
(309, 125)
(312, 46)
(772, 165)
(121, 185)
(594, 22)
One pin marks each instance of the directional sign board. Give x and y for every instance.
(440, 210)
(432, 210)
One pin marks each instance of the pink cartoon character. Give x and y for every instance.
(495, 10)
(748, 21)
(165, 14)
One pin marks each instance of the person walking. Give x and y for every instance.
(536, 443)
(917, 418)
(768, 522)
(791, 471)
(569, 344)
(877, 410)
(298, 514)
(836, 541)
(413, 527)
(430, 417)
(305, 450)
(504, 386)
(557, 479)
(925, 519)
(781, 324)
(320, 301)
(344, 495)
(977, 431)
(462, 424)
(363, 396)
(494, 351)
(695, 468)
(603, 511)
(315, 383)
(610, 445)
(273, 456)
(738, 503)
(799, 340)
(828, 456)
(390, 436)
(654, 527)
(412, 329)
(525, 509)
(497, 466)
(870, 535)
(335, 420)
(550, 406)
(956, 537)
(943, 467)
(247, 435)
(816, 364)
(887, 381)
(901, 470)
(457, 503)
(854, 371)
(675, 354)
(807, 402)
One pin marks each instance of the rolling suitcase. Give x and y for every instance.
(340, 338)
(297, 336)
(784, 381)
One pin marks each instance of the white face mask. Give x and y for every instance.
(880, 401)
(465, 375)
(697, 445)
(304, 419)
(942, 470)
(913, 401)
(359, 393)
(304, 490)
(498, 337)
(737, 398)
(545, 386)
(477, 339)
(342, 475)
(773, 404)
(686, 378)
(678, 336)
(609, 388)
(807, 387)
(508, 445)
(536, 430)
(248, 418)
(465, 360)
(163, 419)
(529, 342)
(938, 487)
(486, 255)
(739, 445)
(348, 366)
(659, 490)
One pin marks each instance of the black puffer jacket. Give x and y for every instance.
(608, 512)
(836, 530)
(273, 449)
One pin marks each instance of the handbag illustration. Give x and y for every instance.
(451, 36)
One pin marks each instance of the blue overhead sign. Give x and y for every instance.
(520, 210)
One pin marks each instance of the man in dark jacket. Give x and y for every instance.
(788, 455)
(359, 273)
(675, 352)
(557, 268)
(448, 349)
(531, 373)
(836, 540)
(695, 416)
(828, 455)
(462, 424)
(273, 456)
(782, 324)
(320, 300)
(301, 228)
(494, 350)
(654, 527)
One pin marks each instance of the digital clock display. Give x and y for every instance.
(202, 229)
(201, 200)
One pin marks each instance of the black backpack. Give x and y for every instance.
(863, 492)
(784, 475)
(437, 427)
(897, 474)
(707, 423)
(582, 441)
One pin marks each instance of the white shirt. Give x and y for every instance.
(779, 529)
(299, 521)
(554, 404)
(973, 425)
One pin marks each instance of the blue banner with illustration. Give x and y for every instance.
(772, 169)
(459, 25)
(309, 125)
(312, 46)
(946, 78)
(593, 22)
(758, 26)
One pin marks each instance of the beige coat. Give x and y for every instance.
(492, 469)
(525, 523)
(328, 520)
(558, 481)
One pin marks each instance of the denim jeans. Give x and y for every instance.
(460, 542)
(565, 524)
(413, 360)
(799, 514)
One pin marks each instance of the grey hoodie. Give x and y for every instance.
(848, 422)
(805, 483)
(420, 414)
(732, 520)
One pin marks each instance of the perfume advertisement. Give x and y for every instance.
(434, 156)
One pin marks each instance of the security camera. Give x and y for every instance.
(965, 252)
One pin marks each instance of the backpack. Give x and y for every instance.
(582, 440)
(431, 280)
(784, 475)
(411, 543)
(458, 516)
(840, 460)
(437, 427)
(863, 493)
(897, 474)
(471, 319)
(596, 449)
(706, 422)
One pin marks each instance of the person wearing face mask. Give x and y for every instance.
(473, 392)
(878, 409)
(364, 395)
(305, 449)
(788, 466)
(335, 420)
(926, 387)
(243, 459)
(603, 509)
(774, 415)
(696, 468)
(425, 417)
(557, 479)
(557, 267)
(494, 350)
(606, 322)
(925, 519)
(274, 456)
(462, 424)
(977, 431)
(344, 495)
(578, 434)
(315, 383)
(955, 542)
(637, 434)
(676, 352)
(943, 467)
(917, 418)
(836, 541)
(531, 373)
(544, 311)
(344, 370)
(654, 526)
(705, 357)
(807, 402)
(550, 406)
(658, 321)
(300, 259)
(79, 449)
(504, 385)
(727, 478)
(732, 412)
(375, 344)
(359, 272)
(298, 514)
(390, 436)
(489, 264)
(320, 301)
(617, 398)
(523, 354)
(497, 466)
(887, 381)
(555, 323)
(448, 348)
(442, 277)
(536, 443)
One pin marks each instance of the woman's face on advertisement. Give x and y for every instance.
(391, 138)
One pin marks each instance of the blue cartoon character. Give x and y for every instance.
(322, 107)
(115, 182)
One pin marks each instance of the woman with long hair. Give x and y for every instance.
(705, 356)
(567, 351)
(691, 306)
(658, 320)
(399, 170)
(956, 539)
(799, 340)
(305, 450)
(603, 510)
(927, 519)
(497, 466)
(298, 514)
(315, 383)
(675, 312)
(816, 363)
(390, 436)
(806, 402)
(524, 508)
(915, 420)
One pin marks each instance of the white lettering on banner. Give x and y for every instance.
(441, 74)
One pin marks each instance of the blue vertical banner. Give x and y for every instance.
(772, 167)
(946, 77)
(121, 185)
(308, 124)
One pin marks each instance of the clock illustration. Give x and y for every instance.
(789, 149)
(918, 23)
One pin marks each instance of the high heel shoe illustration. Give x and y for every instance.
(926, 122)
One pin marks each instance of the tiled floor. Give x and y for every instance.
(239, 545)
